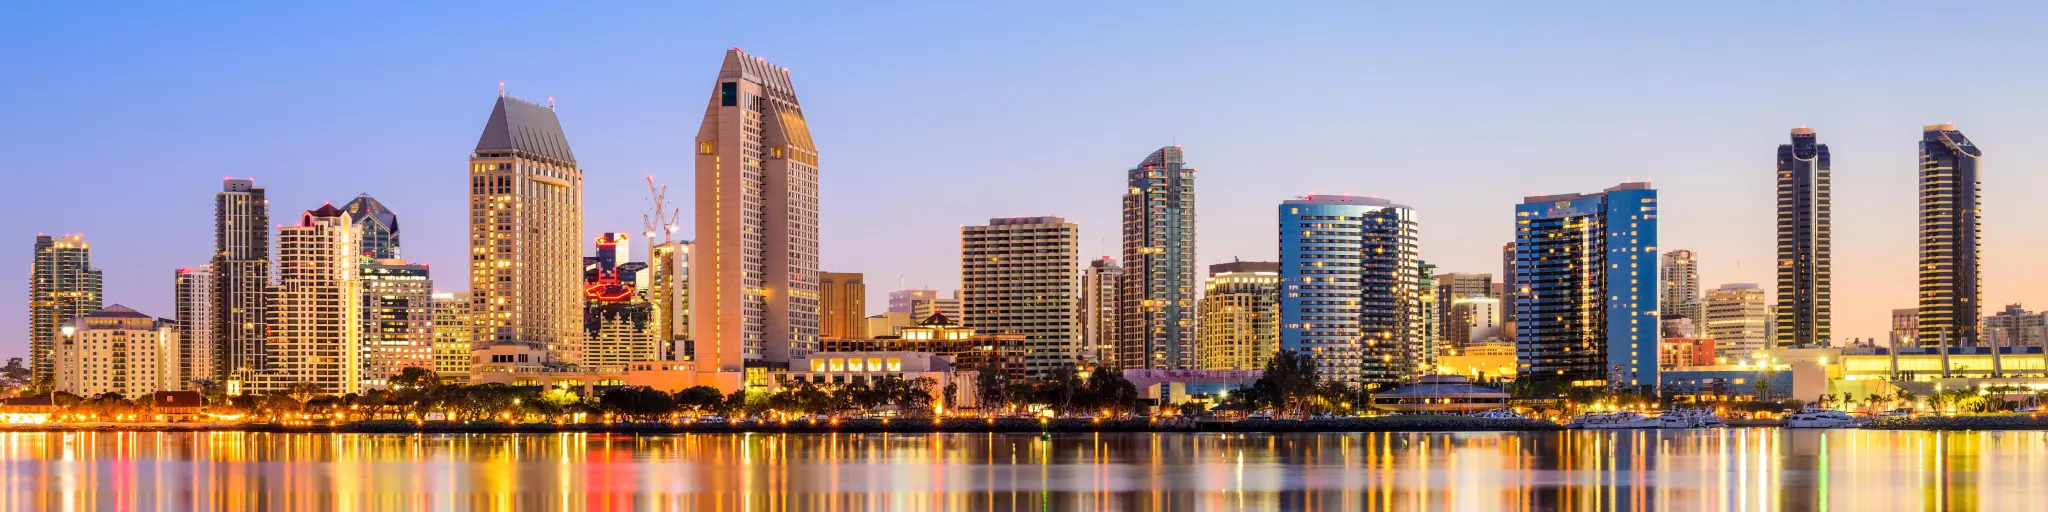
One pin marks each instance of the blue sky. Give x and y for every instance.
(934, 116)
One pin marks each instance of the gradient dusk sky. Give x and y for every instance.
(930, 117)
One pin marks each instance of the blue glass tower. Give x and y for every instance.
(1586, 279)
(1156, 294)
(1351, 282)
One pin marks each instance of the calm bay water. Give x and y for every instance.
(1733, 469)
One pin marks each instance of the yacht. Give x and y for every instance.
(1614, 420)
(1822, 418)
(1691, 418)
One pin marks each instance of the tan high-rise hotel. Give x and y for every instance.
(526, 233)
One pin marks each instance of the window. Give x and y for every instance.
(729, 94)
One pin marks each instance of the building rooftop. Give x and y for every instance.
(527, 128)
(1342, 199)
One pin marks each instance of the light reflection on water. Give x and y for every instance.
(1734, 469)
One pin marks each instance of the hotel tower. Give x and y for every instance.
(526, 233)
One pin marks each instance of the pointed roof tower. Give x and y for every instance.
(527, 128)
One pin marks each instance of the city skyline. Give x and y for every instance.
(1728, 223)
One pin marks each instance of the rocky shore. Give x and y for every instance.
(1969, 422)
(1411, 423)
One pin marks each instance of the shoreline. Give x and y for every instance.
(911, 426)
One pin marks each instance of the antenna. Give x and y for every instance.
(501, 88)
(661, 219)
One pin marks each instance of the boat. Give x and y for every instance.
(1822, 418)
(1691, 418)
(1614, 420)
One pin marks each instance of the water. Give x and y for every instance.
(1732, 469)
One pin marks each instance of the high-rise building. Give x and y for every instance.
(668, 290)
(526, 233)
(1736, 315)
(1586, 304)
(1805, 242)
(1240, 315)
(1098, 310)
(1950, 205)
(2016, 327)
(618, 321)
(1905, 327)
(1432, 319)
(899, 300)
(755, 288)
(1350, 287)
(377, 227)
(843, 304)
(241, 277)
(1156, 295)
(1678, 291)
(1452, 287)
(316, 313)
(195, 304)
(1017, 277)
(1510, 288)
(398, 317)
(1473, 320)
(451, 335)
(117, 350)
(61, 286)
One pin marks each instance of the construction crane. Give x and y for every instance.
(662, 219)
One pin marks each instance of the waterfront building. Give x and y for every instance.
(526, 232)
(1017, 277)
(316, 308)
(376, 226)
(931, 373)
(1350, 292)
(668, 291)
(1805, 242)
(1493, 360)
(1239, 314)
(755, 284)
(1679, 285)
(939, 334)
(196, 305)
(241, 276)
(1473, 320)
(1098, 311)
(1449, 289)
(62, 285)
(451, 336)
(2016, 327)
(899, 300)
(1683, 352)
(1950, 206)
(1441, 394)
(117, 350)
(1736, 317)
(843, 299)
(1586, 308)
(618, 326)
(398, 316)
(1156, 294)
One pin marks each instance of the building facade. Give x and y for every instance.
(922, 308)
(1678, 291)
(1586, 306)
(755, 285)
(1098, 310)
(62, 285)
(1736, 318)
(1805, 242)
(1473, 320)
(1156, 295)
(195, 305)
(1239, 315)
(1350, 287)
(117, 350)
(1017, 277)
(525, 232)
(668, 290)
(1950, 205)
(2016, 327)
(241, 276)
(899, 300)
(451, 335)
(376, 226)
(618, 320)
(843, 304)
(316, 309)
(398, 316)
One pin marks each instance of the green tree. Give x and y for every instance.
(415, 377)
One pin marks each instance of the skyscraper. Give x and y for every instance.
(1510, 286)
(1098, 310)
(1156, 295)
(618, 321)
(1432, 319)
(1586, 308)
(755, 288)
(526, 233)
(1240, 315)
(1473, 320)
(1949, 212)
(899, 300)
(1453, 287)
(451, 336)
(1678, 289)
(195, 304)
(241, 276)
(668, 289)
(843, 298)
(1350, 287)
(377, 227)
(316, 313)
(398, 315)
(1017, 277)
(1805, 242)
(61, 286)
(1735, 319)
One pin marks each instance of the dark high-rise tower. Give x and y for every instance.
(241, 271)
(1804, 253)
(1949, 211)
(62, 286)
(1156, 295)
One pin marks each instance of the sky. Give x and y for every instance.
(929, 117)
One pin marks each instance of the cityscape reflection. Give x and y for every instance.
(1728, 469)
